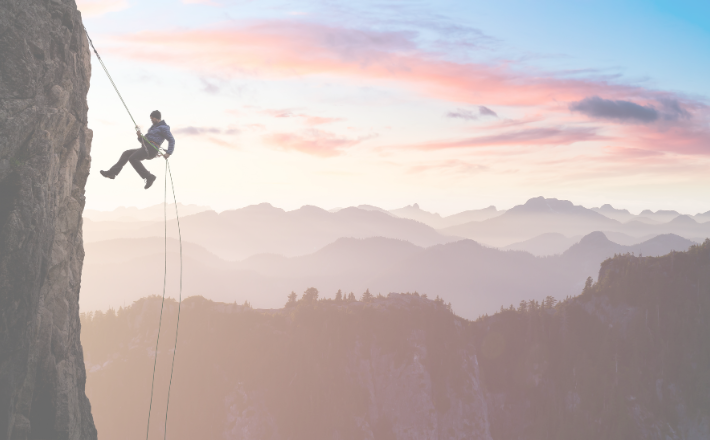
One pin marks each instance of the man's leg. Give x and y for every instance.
(122, 161)
(136, 158)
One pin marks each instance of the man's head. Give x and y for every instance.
(155, 116)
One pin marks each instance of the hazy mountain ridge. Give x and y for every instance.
(543, 216)
(258, 229)
(436, 221)
(622, 360)
(474, 278)
(149, 214)
(549, 243)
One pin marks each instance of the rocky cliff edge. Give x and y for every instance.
(44, 164)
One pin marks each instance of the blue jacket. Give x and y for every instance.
(159, 132)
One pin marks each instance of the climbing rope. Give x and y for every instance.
(117, 92)
(177, 325)
(168, 172)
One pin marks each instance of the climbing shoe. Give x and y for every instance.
(107, 174)
(149, 181)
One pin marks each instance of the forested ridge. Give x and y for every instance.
(628, 358)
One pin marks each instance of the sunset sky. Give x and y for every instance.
(455, 105)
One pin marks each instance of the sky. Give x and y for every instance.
(453, 105)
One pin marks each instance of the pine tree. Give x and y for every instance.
(292, 299)
(310, 295)
(588, 285)
(338, 296)
(550, 302)
(367, 296)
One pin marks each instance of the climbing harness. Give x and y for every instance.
(168, 172)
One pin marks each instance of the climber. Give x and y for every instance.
(157, 133)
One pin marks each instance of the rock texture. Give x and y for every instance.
(44, 164)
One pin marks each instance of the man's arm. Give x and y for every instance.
(171, 140)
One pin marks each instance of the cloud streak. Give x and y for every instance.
(626, 111)
(314, 142)
(470, 115)
(560, 106)
(291, 48)
(544, 136)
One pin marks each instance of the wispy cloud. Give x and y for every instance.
(293, 48)
(449, 166)
(95, 8)
(307, 119)
(626, 111)
(525, 137)
(209, 134)
(314, 142)
(557, 106)
(471, 115)
(196, 131)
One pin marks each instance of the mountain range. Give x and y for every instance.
(475, 279)
(258, 229)
(540, 226)
(544, 216)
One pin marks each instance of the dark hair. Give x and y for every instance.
(155, 114)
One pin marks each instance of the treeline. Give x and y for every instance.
(627, 359)
(311, 295)
(301, 372)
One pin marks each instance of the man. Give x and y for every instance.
(158, 132)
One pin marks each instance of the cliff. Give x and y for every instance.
(44, 165)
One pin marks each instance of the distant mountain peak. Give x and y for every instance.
(684, 220)
(541, 205)
(595, 237)
(608, 208)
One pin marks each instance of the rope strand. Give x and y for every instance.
(177, 325)
(168, 172)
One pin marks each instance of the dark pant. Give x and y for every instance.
(134, 157)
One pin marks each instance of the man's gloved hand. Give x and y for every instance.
(165, 156)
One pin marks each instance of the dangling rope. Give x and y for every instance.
(177, 325)
(165, 273)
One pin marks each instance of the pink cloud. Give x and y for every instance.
(525, 137)
(317, 120)
(631, 153)
(635, 117)
(686, 138)
(293, 113)
(449, 166)
(287, 48)
(313, 142)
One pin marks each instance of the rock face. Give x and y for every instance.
(44, 164)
